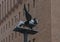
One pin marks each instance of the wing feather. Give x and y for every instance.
(27, 15)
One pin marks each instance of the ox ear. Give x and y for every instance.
(33, 18)
(36, 20)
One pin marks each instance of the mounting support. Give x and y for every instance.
(25, 32)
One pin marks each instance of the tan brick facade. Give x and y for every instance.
(55, 20)
(46, 11)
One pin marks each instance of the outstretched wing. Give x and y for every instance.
(27, 15)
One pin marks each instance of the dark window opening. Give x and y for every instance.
(28, 6)
(1, 30)
(33, 39)
(15, 34)
(6, 39)
(6, 26)
(9, 24)
(12, 36)
(33, 3)
(12, 21)
(9, 38)
(0, 11)
(19, 16)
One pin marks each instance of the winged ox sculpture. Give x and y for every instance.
(30, 22)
